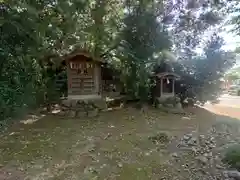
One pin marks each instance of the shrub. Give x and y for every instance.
(232, 157)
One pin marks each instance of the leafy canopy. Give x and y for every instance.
(132, 35)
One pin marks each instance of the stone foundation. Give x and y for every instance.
(82, 108)
(88, 108)
(171, 105)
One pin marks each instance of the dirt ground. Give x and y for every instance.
(233, 112)
(118, 145)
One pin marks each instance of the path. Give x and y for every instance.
(228, 105)
(230, 101)
(120, 145)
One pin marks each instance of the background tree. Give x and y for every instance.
(34, 34)
(131, 35)
(233, 74)
(208, 69)
(142, 36)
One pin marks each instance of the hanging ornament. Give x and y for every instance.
(168, 81)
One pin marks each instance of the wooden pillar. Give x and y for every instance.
(173, 88)
(69, 79)
(96, 78)
(161, 87)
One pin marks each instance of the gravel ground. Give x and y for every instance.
(124, 144)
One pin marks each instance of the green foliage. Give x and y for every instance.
(207, 69)
(19, 69)
(34, 34)
(142, 37)
(132, 35)
(234, 11)
(192, 20)
(232, 157)
(233, 76)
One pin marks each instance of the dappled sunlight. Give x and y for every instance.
(123, 143)
(116, 139)
(32, 119)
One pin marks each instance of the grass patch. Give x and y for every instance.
(232, 157)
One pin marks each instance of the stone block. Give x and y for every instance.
(178, 105)
(177, 99)
(159, 106)
(176, 111)
(168, 105)
(81, 114)
(101, 104)
(62, 113)
(73, 103)
(72, 113)
(67, 103)
(93, 113)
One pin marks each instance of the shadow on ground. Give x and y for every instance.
(115, 145)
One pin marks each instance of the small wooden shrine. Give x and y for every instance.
(84, 75)
(165, 81)
(90, 77)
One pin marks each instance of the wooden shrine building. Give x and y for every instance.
(84, 75)
(165, 79)
(87, 76)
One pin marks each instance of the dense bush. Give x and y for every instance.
(232, 157)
